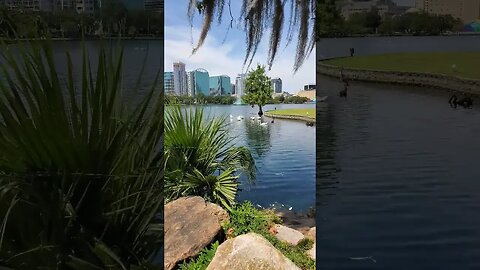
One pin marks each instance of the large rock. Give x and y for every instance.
(312, 234)
(288, 235)
(191, 224)
(312, 253)
(249, 252)
(295, 220)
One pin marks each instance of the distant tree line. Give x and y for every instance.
(333, 24)
(199, 99)
(112, 19)
(228, 100)
(289, 100)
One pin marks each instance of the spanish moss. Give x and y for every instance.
(259, 15)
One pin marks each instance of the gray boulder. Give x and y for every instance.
(191, 224)
(288, 235)
(249, 252)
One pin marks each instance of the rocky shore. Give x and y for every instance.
(192, 224)
(438, 81)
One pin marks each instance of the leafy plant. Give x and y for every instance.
(203, 259)
(295, 253)
(200, 158)
(258, 87)
(245, 218)
(81, 174)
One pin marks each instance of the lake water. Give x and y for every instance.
(284, 153)
(137, 53)
(328, 48)
(398, 184)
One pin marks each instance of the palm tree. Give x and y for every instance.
(201, 159)
(81, 175)
(260, 15)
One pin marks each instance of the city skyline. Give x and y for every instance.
(220, 55)
(273, 78)
(183, 82)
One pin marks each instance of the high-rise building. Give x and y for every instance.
(220, 85)
(277, 85)
(466, 10)
(191, 83)
(384, 7)
(81, 6)
(168, 83)
(240, 85)
(153, 5)
(201, 82)
(63, 4)
(309, 87)
(35, 5)
(198, 82)
(233, 89)
(179, 79)
(85, 6)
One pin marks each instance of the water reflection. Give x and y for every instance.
(397, 179)
(257, 137)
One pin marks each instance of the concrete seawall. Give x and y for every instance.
(444, 82)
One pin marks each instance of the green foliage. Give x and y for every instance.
(305, 244)
(199, 99)
(423, 62)
(295, 253)
(245, 218)
(203, 259)
(113, 17)
(258, 88)
(201, 159)
(296, 100)
(329, 22)
(81, 176)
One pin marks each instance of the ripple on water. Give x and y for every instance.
(398, 180)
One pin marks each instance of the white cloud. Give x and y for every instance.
(227, 58)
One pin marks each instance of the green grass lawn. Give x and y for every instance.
(309, 112)
(467, 63)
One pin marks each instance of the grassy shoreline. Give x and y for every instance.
(455, 64)
(304, 114)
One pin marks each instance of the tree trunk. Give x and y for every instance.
(260, 112)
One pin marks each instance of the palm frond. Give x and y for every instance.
(200, 158)
(78, 165)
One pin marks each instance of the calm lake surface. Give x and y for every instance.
(398, 177)
(284, 152)
(136, 54)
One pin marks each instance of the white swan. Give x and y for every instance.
(239, 117)
(264, 124)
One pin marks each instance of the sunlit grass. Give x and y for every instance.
(459, 64)
(304, 112)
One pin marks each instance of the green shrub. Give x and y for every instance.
(203, 259)
(245, 218)
(295, 253)
(81, 175)
(200, 158)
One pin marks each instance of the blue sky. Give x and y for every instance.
(219, 57)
